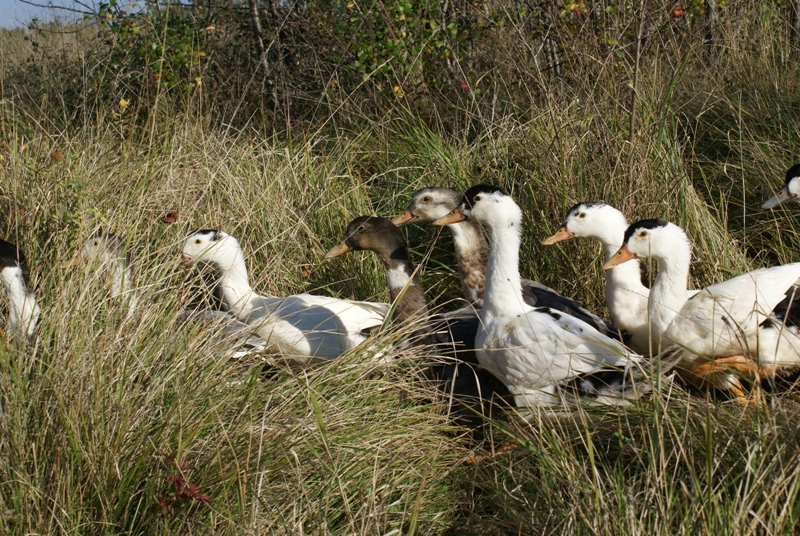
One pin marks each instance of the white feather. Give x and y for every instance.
(301, 327)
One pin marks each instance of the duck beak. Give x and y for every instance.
(561, 234)
(77, 260)
(339, 249)
(185, 261)
(623, 255)
(405, 218)
(781, 196)
(454, 217)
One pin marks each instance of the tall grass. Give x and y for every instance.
(104, 414)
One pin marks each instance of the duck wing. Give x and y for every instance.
(545, 347)
(725, 314)
(536, 294)
(311, 326)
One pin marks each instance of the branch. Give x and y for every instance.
(65, 8)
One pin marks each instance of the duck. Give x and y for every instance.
(301, 328)
(544, 356)
(626, 296)
(472, 253)
(451, 335)
(789, 191)
(381, 236)
(108, 252)
(747, 325)
(24, 311)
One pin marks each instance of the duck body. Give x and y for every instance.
(230, 337)
(24, 311)
(472, 256)
(752, 317)
(535, 351)
(301, 327)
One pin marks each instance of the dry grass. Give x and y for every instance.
(101, 412)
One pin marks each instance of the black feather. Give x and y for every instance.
(213, 233)
(469, 195)
(792, 172)
(653, 223)
(11, 256)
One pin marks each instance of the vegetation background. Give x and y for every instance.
(279, 122)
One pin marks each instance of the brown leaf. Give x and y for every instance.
(170, 217)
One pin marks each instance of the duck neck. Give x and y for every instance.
(405, 289)
(503, 294)
(472, 254)
(234, 286)
(24, 311)
(669, 292)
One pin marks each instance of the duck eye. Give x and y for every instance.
(642, 234)
(476, 198)
(197, 241)
(582, 215)
(426, 199)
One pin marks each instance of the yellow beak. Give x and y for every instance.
(77, 260)
(339, 249)
(623, 255)
(405, 218)
(454, 217)
(561, 234)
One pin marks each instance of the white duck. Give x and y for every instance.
(747, 324)
(542, 355)
(626, 296)
(472, 254)
(23, 310)
(789, 191)
(302, 327)
(108, 252)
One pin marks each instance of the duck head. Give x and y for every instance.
(789, 191)
(429, 204)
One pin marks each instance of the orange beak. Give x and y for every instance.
(454, 217)
(405, 218)
(185, 261)
(623, 255)
(561, 234)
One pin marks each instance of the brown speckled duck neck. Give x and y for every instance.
(382, 237)
(472, 255)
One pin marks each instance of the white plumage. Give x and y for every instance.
(535, 351)
(626, 296)
(749, 321)
(23, 310)
(299, 327)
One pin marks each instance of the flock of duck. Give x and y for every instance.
(543, 348)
